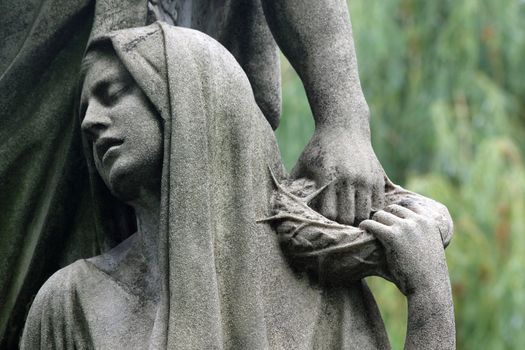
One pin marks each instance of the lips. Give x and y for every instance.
(104, 144)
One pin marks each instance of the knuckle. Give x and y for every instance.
(365, 181)
(411, 225)
(392, 207)
(378, 214)
(355, 178)
(396, 232)
(421, 220)
(408, 225)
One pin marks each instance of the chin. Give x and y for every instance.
(127, 178)
(124, 186)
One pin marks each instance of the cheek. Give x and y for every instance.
(134, 118)
(141, 152)
(144, 128)
(147, 149)
(139, 125)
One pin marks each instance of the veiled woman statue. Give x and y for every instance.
(172, 129)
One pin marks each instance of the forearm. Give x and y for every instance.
(431, 318)
(316, 36)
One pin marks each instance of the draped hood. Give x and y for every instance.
(225, 281)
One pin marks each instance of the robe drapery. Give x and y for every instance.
(46, 210)
(46, 216)
(226, 283)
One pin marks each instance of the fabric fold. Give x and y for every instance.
(226, 283)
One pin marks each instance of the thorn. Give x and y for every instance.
(279, 216)
(299, 228)
(312, 196)
(274, 180)
(282, 188)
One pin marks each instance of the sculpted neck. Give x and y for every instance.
(147, 210)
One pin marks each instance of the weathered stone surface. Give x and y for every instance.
(199, 272)
(46, 216)
(173, 130)
(331, 252)
(225, 281)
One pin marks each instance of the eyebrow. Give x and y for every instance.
(106, 80)
(95, 89)
(101, 84)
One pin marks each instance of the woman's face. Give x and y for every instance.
(123, 128)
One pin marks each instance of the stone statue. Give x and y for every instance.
(46, 192)
(227, 253)
(316, 37)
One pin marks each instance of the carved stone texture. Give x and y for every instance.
(241, 27)
(332, 252)
(172, 129)
(200, 273)
(46, 213)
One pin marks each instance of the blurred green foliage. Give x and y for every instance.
(445, 81)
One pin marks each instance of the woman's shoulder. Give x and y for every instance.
(58, 311)
(55, 306)
(84, 274)
(111, 261)
(59, 292)
(64, 280)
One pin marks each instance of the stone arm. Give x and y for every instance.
(402, 243)
(316, 37)
(416, 263)
(431, 318)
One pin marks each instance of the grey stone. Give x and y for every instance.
(316, 37)
(47, 218)
(222, 279)
(259, 293)
(173, 129)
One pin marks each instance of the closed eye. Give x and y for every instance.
(108, 93)
(115, 92)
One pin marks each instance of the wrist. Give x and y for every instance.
(433, 290)
(431, 320)
(357, 123)
(429, 275)
(348, 130)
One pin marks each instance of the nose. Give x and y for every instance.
(95, 120)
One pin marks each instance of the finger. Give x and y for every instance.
(412, 205)
(386, 218)
(419, 208)
(363, 204)
(382, 232)
(378, 196)
(328, 205)
(399, 211)
(345, 204)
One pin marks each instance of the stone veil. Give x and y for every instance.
(226, 283)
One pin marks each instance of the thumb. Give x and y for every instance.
(382, 232)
